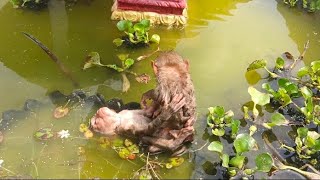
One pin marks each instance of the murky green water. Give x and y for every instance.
(220, 40)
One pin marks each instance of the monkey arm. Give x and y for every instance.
(175, 105)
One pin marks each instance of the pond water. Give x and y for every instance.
(220, 40)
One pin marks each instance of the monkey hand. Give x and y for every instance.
(146, 96)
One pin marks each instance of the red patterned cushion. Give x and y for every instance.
(158, 6)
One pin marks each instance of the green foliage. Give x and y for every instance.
(218, 120)
(244, 143)
(309, 5)
(137, 33)
(277, 119)
(30, 4)
(307, 143)
(264, 162)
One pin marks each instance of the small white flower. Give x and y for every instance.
(1, 161)
(63, 134)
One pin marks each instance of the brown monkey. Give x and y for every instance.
(173, 77)
(134, 122)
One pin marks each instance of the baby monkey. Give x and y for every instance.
(135, 123)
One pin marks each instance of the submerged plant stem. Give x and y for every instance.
(53, 57)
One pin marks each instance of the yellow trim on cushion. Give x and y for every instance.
(155, 18)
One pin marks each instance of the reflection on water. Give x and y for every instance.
(220, 40)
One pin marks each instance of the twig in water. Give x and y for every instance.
(300, 58)
(36, 168)
(200, 147)
(140, 58)
(53, 57)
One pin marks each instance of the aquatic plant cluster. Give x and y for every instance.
(291, 100)
(309, 5)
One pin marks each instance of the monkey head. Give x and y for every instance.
(105, 121)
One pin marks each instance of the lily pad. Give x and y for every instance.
(244, 142)
(60, 112)
(215, 146)
(44, 134)
(264, 162)
(143, 78)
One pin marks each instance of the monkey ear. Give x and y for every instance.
(155, 68)
(186, 62)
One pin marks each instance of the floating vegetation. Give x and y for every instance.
(93, 59)
(137, 35)
(284, 92)
(309, 5)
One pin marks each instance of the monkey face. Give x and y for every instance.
(105, 121)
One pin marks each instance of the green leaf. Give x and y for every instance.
(303, 71)
(267, 87)
(124, 153)
(235, 124)
(218, 131)
(118, 42)
(279, 120)
(248, 171)
(246, 112)
(257, 64)
(258, 97)
(279, 63)
(128, 63)
(317, 145)
(252, 129)
(92, 59)
(315, 66)
(264, 162)
(237, 161)
(244, 143)
(139, 28)
(117, 143)
(145, 23)
(225, 160)
(155, 38)
(44, 134)
(176, 161)
(302, 132)
(306, 92)
(215, 146)
(123, 57)
(290, 87)
(124, 25)
(217, 110)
